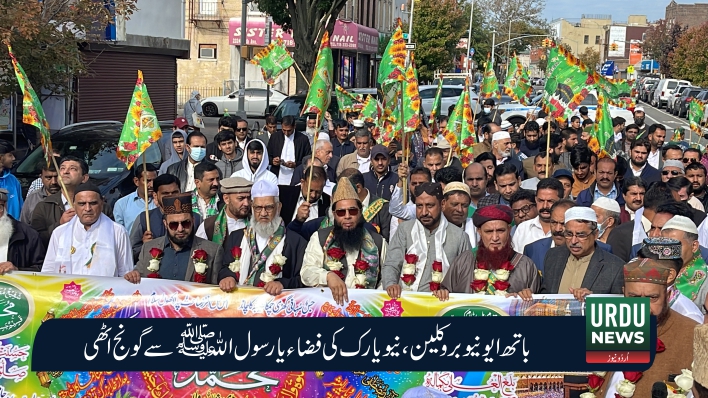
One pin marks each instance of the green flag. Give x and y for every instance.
(141, 127)
(602, 141)
(567, 83)
(517, 84)
(32, 111)
(320, 93)
(346, 101)
(394, 57)
(461, 124)
(696, 111)
(437, 103)
(411, 101)
(613, 88)
(273, 60)
(490, 85)
(371, 110)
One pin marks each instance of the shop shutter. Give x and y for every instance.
(105, 94)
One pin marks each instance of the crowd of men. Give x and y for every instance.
(282, 209)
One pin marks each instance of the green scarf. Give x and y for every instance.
(690, 280)
(369, 253)
(211, 208)
(220, 227)
(258, 260)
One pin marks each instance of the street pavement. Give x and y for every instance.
(654, 115)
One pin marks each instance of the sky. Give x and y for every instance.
(653, 9)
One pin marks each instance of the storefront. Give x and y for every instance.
(354, 48)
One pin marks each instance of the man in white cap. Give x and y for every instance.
(639, 121)
(608, 216)
(580, 267)
(501, 149)
(691, 281)
(455, 205)
(507, 126)
(346, 255)
(265, 254)
(361, 157)
(236, 192)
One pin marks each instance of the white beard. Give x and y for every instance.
(6, 232)
(310, 131)
(265, 230)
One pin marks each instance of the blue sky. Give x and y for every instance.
(570, 10)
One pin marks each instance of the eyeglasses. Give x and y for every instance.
(579, 235)
(242, 129)
(523, 210)
(174, 225)
(688, 160)
(260, 209)
(672, 172)
(353, 211)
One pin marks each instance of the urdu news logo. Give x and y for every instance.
(617, 330)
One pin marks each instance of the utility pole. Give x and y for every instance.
(494, 39)
(410, 33)
(269, 29)
(242, 61)
(469, 41)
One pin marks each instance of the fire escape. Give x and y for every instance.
(208, 12)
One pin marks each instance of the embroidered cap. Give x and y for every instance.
(665, 248)
(344, 190)
(607, 204)
(87, 187)
(681, 223)
(431, 188)
(700, 355)
(4, 193)
(581, 213)
(456, 186)
(263, 189)
(180, 203)
(492, 213)
(646, 271)
(235, 185)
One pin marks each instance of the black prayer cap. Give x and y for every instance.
(87, 187)
(431, 188)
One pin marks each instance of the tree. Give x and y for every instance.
(46, 37)
(524, 17)
(436, 30)
(688, 60)
(660, 41)
(590, 57)
(308, 20)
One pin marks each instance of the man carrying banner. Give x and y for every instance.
(89, 243)
(265, 254)
(345, 255)
(20, 247)
(233, 216)
(647, 278)
(179, 255)
(422, 248)
(493, 267)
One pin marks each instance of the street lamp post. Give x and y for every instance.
(469, 40)
(242, 61)
(494, 39)
(410, 32)
(508, 44)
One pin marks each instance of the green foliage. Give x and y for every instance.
(689, 60)
(383, 42)
(45, 37)
(590, 57)
(660, 41)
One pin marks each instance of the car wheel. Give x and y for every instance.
(210, 110)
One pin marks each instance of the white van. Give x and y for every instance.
(663, 90)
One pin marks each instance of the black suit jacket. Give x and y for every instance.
(331, 174)
(289, 196)
(275, 148)
(649, 174)
(621, 240)
(293, 250)
(605, 274)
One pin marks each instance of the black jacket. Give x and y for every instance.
(290, 195)
(25, 250)
(275, 149)
(605, 273)
(293, 250)
(382, 188)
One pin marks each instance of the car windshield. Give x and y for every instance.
(289, 107)
(96, 147)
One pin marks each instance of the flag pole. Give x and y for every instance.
(61, 182)
(404, 145)
(548, 146)
(147, 208)
(303, 75)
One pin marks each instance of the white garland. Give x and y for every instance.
(279, 260)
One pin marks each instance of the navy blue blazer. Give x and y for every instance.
(587, 196)
(536, 251)
(649, 174)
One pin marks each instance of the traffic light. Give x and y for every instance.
(546, 42)
(614, 47)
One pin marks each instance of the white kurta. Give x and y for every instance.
(231, 226)
(313, 272)
(102, 250)
(287, 155)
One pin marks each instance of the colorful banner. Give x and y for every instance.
(28, 299)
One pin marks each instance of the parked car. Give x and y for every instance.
(681, 107)
(292, 106)
(646, 88)
(254, 104)
(450, 95)
(674, 97)
(590, 102)
(663, 89)
(94, 142)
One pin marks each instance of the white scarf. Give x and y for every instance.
(420, 249)
(639, 234)
(246, 257)
(6, 232)
(87, 259)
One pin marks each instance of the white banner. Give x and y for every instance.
(618, 35)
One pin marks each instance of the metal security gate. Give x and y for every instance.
(105, 94)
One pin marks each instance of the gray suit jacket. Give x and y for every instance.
(214, 258)
(605, 274)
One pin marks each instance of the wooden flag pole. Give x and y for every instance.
(405, 145)
(548, 147)
(312, 157)
(61, 182)
(147, 208)
(303, 75)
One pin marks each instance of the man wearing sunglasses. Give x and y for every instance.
(179, 255)
(671, 169)
(271, 255)
(346, 255)
(90, 243)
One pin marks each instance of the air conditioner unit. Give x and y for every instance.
(207, 53)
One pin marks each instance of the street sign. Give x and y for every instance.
(410, 46)
(630, 69)
(608, 68)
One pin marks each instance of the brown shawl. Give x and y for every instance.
(461, 274)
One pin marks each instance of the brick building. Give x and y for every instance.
(687, 14)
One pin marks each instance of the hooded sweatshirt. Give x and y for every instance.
(262, 170)
(174, 157)
(14, 200)
(192, 106)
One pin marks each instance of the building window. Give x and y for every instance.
(597, 39)
(586, 39)
(207, 51)
(207, 7)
